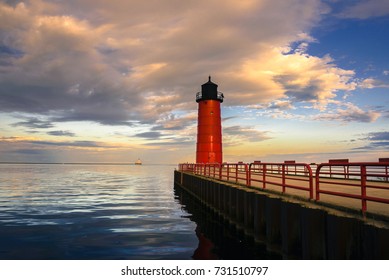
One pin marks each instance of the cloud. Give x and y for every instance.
(174, 122)
(311, 79)
(178, 141)
(236, 135)
(61, 133)
(10, 52)
(378, 136)
(348, 112)
(149, 135)
(80, 144)
(366, 9)
(370, 83)
(281, 105)
(30, 151)
(381, 144)
(122, 62)
(376, 141)
(60, 73)
(297, 76)
(38, 142)
(33, 122)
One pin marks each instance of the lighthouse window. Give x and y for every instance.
(211, 112)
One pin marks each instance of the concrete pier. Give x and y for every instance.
(293, 227)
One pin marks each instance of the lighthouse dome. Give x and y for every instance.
(209, 92)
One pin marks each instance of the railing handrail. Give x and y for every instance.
(373, 163)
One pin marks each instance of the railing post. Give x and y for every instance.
(249, 176)
(363, 188)
(264, 177)
(236, 172)
(283, 178)
(318, 182)
(307, 167)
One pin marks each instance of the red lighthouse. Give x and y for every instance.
(209, 128)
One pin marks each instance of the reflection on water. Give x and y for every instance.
(217, 238)
(108, 212)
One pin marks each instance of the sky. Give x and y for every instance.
(114, 81)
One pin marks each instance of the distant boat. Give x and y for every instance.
(138, 162)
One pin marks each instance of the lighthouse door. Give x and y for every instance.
(211, 157)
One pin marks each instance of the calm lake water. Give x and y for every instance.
(50, 211)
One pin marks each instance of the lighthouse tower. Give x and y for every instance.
(209, 128)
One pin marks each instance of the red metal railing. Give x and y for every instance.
(291, 175)
(336, 178)
(212, 170)
(285, 175)
(363, 177)
(234, 172)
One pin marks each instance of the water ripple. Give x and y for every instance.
(92, 212)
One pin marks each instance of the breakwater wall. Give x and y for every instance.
(294, 228)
